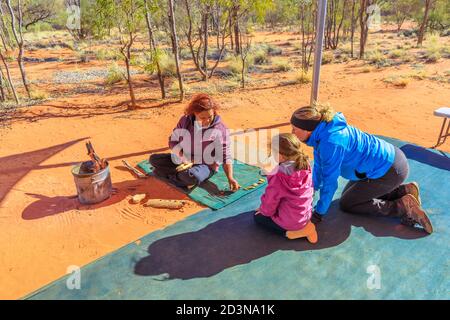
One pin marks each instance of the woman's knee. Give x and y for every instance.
(345, 204)
(152, 159)
(157, 159)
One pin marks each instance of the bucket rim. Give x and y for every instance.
(78, 165)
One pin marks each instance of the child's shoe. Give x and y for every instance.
(309, 231)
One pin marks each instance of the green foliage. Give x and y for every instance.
(433, 48)
(377, 58)
(327, 57)
(439, 17)
(166, 63)
(39, 94)
(108, 54)
(282, 12)
(235, 64)
(282, 65)
(304, 77)
(260, 56)
(174, 89)
(397, 81)
(127, 15)
(115, 74)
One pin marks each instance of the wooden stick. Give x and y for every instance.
(165, 204)
(134, 170)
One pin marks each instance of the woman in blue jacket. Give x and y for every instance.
(376, 169)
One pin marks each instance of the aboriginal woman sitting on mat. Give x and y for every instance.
(376, 169)
(199, 144)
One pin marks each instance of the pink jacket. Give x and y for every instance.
(288, 197)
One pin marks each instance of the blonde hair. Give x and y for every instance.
(289, 146)
(319, 112)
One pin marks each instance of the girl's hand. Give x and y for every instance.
(234, 185)
(257, 211)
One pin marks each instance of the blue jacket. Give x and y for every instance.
(342, 150)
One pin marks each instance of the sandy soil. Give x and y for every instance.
(44, 229)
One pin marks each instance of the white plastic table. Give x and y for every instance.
(443, 112)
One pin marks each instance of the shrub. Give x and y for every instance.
(83, 56)
(166, 62)
(397, 53)
(105, 54)
(397, 81)
(115, 74)
(274, 50)
(234, 65)
(174, 89)
(433, 48)
(282, 65)
(378, 58)
(185, 54)
(38, 94)
(260, 56)
(418, 75)
(303, 77)
(138, 61)
(327, 57)
(375, 57)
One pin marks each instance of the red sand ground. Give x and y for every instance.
(43, 227)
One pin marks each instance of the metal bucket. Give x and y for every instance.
(92, 187)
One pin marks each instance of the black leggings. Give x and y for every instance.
(269, 224)
(164, 167)
(377, 196)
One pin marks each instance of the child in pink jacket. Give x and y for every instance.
(286, 205)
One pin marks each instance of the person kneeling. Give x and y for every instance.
(286, 205)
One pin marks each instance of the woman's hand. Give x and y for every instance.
(258, 211)
(215, 166)
(234, 185)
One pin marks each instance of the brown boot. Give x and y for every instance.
(411, 213)
(412, 188)
(309, 231)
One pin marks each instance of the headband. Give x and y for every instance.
(308, 125)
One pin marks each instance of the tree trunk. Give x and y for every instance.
(153, 49)
(6, 39)
(353, 26)
(175, 48)
(126, 52)
(363, 18)
(205, 44)
(400, 21)
(130, 86)
(424, 23)
(237, 42)
(195, 56)
(2, 91)
(19, 39)
(230, 22)
(222, 33)
(307, 30)
(8, 74)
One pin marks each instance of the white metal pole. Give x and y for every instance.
(320, 28)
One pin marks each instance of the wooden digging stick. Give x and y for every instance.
(95, 159)
(134, 170)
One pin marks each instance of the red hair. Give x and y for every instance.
(201, 102)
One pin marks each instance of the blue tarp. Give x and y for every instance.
(222, 254)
